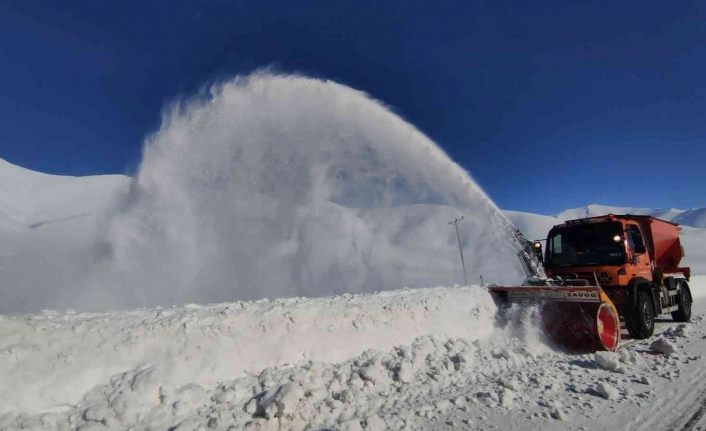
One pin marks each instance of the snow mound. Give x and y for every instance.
(663, 345)
(607, 391)
(609, 361)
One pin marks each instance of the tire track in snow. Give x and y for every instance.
(697, 420)
(671, 402)
(696, 410)
(684, 397)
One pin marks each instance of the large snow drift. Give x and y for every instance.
(276, 186)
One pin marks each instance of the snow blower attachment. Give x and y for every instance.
(602, 270)
(579, 317)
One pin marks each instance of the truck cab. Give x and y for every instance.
(634, 259)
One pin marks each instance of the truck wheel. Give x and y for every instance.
(640, 321)
(683, 313)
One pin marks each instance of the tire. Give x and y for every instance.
(683, 313)
(640, 320)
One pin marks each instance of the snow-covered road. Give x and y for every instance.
(409, 359)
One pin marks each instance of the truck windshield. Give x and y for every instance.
(586, 244)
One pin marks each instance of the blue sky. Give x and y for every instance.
(549, 104)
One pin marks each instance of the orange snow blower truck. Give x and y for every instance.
(600, 270)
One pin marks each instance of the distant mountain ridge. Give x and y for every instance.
(30, 199)
(695, 217)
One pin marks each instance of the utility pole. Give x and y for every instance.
(460, 250)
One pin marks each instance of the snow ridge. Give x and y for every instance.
(693, 217)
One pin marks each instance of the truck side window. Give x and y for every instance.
(637, 245)
(556, 244)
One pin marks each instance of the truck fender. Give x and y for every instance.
(637, 284)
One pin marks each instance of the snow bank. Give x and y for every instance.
(176, 368)
(369, 390)
(50, 361)
(343, 362)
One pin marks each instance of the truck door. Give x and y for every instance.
(640, 259)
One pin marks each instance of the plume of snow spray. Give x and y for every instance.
(283, 186)
(523, 325)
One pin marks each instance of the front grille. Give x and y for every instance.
(577, 275)
(602, 278)
(576, 278)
